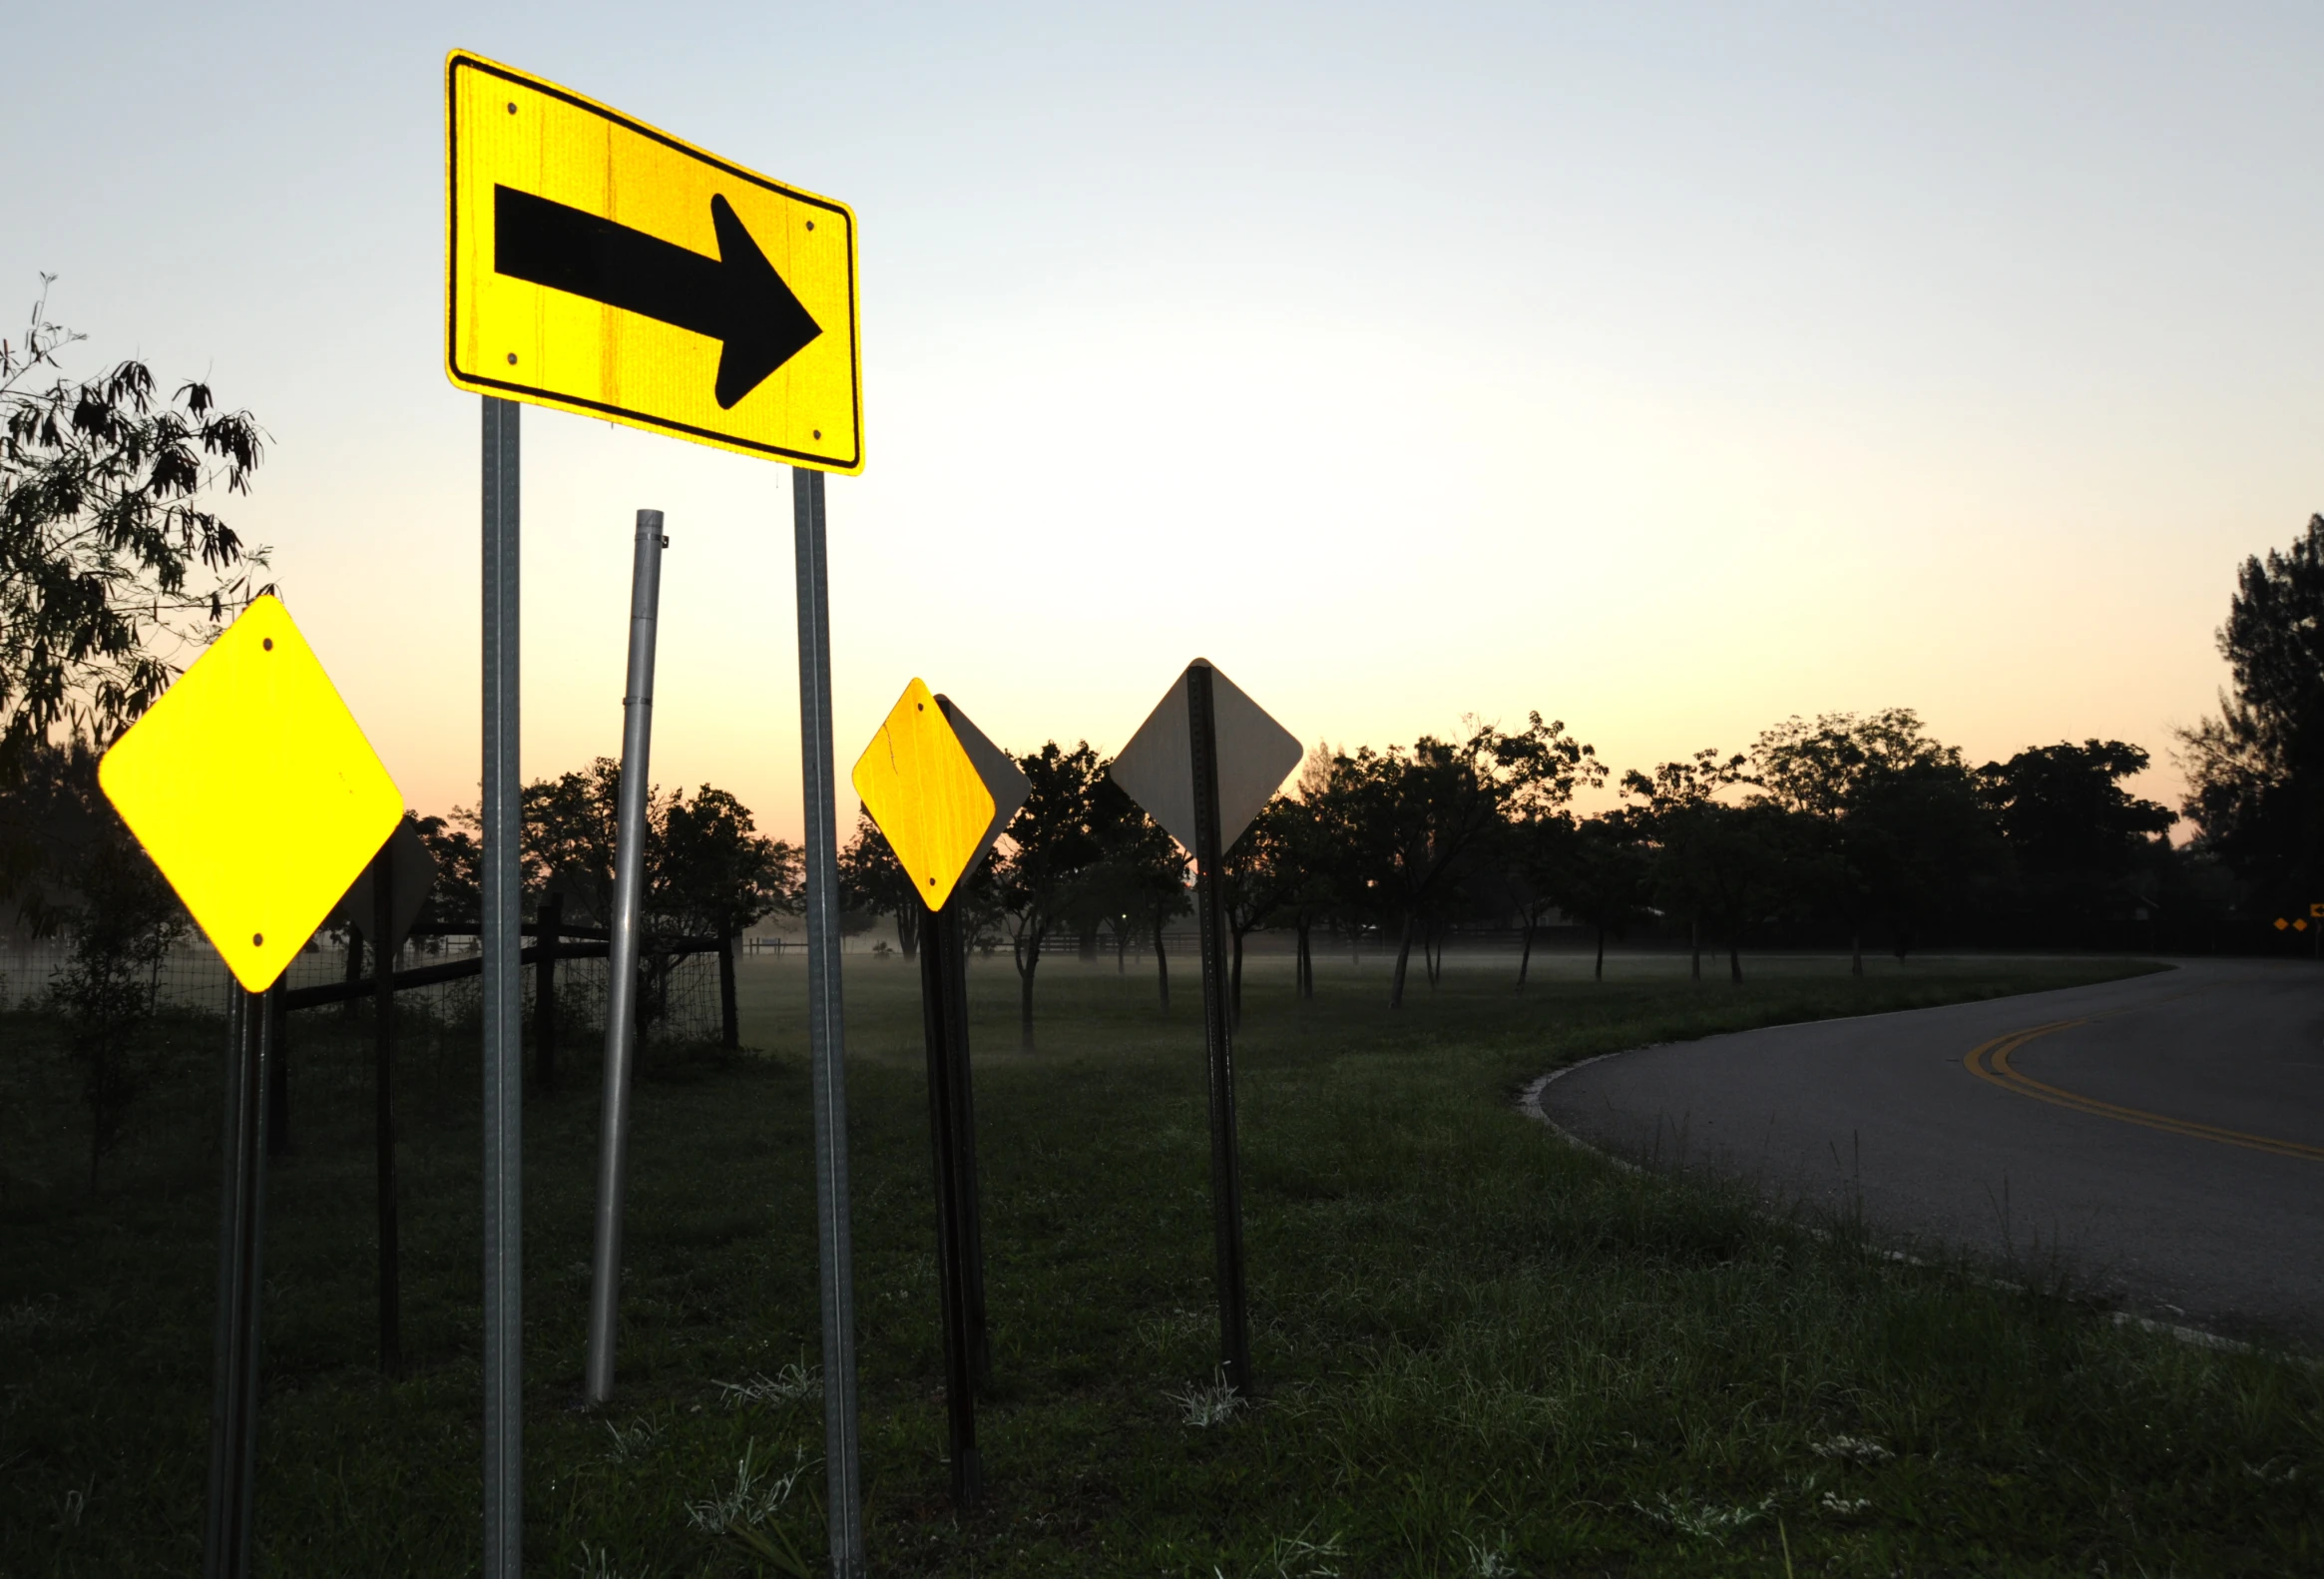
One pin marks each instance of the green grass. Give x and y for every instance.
(1481, 1351)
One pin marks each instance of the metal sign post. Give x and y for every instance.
(940, 940)
(1008, 785)
(1225, 1156)
(941, 793)
(554, 200)
(233, 1407)
(384, 949)
(382, 906)
(825, 1034)
(502, 885)
(1202, 764)
(621, 957)
(962, 1104)
(253, 792)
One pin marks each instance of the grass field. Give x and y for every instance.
(1481, 1351)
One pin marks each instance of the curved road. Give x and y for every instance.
(2161, 1138)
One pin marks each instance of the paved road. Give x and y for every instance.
(2163, 1137)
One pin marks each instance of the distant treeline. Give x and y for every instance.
(1862, 831)
(1856, 830)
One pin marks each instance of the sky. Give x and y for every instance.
(1667, 370)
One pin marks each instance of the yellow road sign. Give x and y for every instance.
(597, 265)
(253, 789)
(921, 788)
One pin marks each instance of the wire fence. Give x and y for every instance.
(682, 1000)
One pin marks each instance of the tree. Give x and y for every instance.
(2255, 772)
(1920, 843)
(1318, 830)
(113, 565)
(1888, 825)
(1531, 854)
(1412, 819)
(93, 882)
(1051, 848)
(1679, 823)
(721, 875)
(1304, 825)
(1264, 871)
(1600, 879)
(456, 897)
(1138, 880)
(2079, 841)
(707, 871)
(871, 879)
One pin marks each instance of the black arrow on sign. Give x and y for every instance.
(735, 298)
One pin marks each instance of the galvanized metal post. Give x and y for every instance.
(502, 884)
(382, 1091)
(1226, 1159)
(939, 934)
(226, 1536)
(826, 1040)
(613, 1145)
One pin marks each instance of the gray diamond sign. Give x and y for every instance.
(1256, 755)
(411, 871)
(1003, 781)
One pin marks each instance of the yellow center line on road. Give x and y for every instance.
(1991, 1061)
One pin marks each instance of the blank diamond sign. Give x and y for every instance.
(1256, 755)
(1203, 763)
(253, 790)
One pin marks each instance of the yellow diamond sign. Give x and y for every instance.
(253, 790)
(919, 786)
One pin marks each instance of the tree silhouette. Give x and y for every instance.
(2255, 772)
(1051, 848)
(1408, 821)
(116, 567)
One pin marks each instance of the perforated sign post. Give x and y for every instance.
(942, 794)
(253, 790)
(1203, 765)
(600, 266)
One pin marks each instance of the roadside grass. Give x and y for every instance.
(1480, 1353)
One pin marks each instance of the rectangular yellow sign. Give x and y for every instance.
(595, 265)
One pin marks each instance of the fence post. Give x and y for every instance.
(549, 932)
(354, 969)
(383, 1111)
(730, 1030)
(277, 1080)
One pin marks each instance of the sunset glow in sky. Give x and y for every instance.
(1665, 370)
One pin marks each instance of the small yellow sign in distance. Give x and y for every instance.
(599, 266)
(254, 791)
(918, 784)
